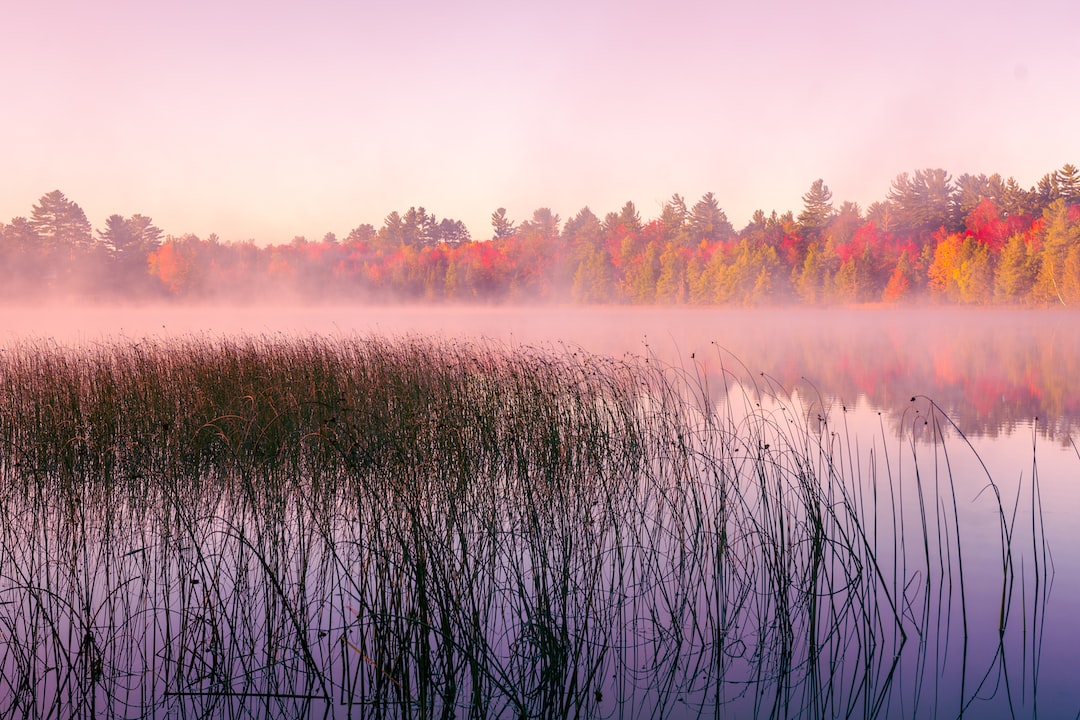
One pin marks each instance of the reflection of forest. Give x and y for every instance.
(991, 371)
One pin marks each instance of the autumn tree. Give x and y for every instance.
(750, 277)
(844, 223)
(971, 190)
(641, 276)
(854, 280)
(584, 230)
(587, 262)
(985, 223)
(625, 222)
(962, 270)
(1060, 236)
(901, 280)
(176, 264)
(813, 280)
(593, 280)
(1016, 270)
(532, 254)
(671, 281)
(622, 231)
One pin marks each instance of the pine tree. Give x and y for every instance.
(708, 222)
(1068, 183)
(817, 209)
(1016, 270)
(1062, 233)
(60, 223)
(501, 224)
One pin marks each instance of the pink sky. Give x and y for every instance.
(269, 119)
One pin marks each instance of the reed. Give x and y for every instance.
(369, 527)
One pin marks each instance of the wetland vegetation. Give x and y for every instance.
(284, 526)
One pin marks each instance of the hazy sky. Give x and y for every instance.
(272, 119)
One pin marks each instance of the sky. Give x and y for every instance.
(270, 120)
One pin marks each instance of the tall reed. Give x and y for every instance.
(370, 527)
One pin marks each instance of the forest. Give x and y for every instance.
(973, 239)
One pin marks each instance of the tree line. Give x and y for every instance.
(973, 239)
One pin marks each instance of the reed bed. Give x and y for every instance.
(379, 527)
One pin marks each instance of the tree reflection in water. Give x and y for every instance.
(278, 527)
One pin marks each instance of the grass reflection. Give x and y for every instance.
(372, 527)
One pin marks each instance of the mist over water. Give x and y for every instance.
(1005, 377)
(993, 370)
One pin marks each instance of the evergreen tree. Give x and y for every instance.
(1015, 201)
(924, 203)
(593, 279)
(60, 224)
(817, 209)
(501, 224)
(583, 240)
(130, 238)
(751, 276)
(23, 259)
(583, 230)
(391, 235)
(362, 234)
(970, 191)
(814, 279)
(1061, 233)
(626, 222)
(641, 278)
(708, 222)
(673, 216)
(845, 223)
(450, 232)
(1068, 183)
(418, 228)
(1016, 271)
(755, 229)
(1046, 191)
(882, 215)
(671, 286)
(544, 227)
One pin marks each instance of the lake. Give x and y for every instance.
(954, 425)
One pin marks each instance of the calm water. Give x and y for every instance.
(1007, 379)
(995, 371)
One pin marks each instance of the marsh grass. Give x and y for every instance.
(370, 527)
